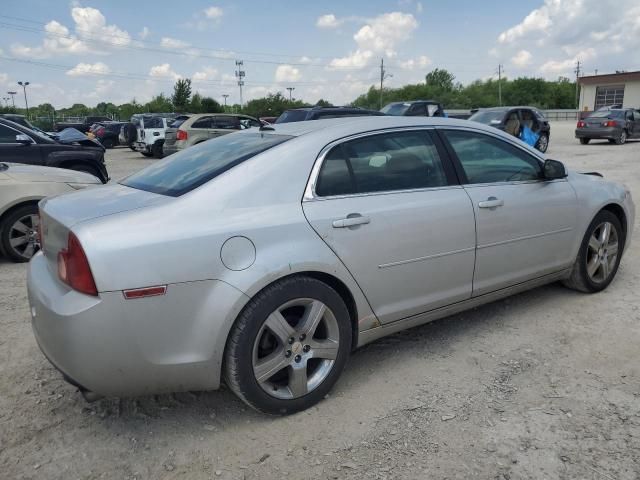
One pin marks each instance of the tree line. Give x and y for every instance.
(439, 85)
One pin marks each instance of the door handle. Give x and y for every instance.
(352, 220)
(491, 202)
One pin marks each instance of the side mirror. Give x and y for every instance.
(23, 139)
(554, 169)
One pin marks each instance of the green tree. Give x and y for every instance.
(195, 105)
(209, 105)
(271, 106)
(181, 94)
(440, 79)
(159, 104)
(323, 103)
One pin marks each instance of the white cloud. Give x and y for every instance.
(571, 30)
(144, 33)
(91, 24)
(419, 7)
(163, 71)
(213, 13)
(207, 73)
(174, 43)
(379, 36)
(287, 73)
(90, 27)
(328, 21)
(522, 58)
(85, 69)
(413, 63)
(304, 59)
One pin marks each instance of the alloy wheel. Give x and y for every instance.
(296, 348)
(543, 143)
(602, 252)
(23, 236)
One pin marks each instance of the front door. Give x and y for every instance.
(525, 224)
(387, 205)
(12, 151)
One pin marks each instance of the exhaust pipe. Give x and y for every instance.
(90, 397)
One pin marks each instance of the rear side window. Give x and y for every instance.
(386, 162)
(182, 172)
(152, 122)
(204, 122)
(227, 123)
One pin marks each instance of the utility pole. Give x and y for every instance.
(24, 88)
(291, 89)
(13, 100)
(500, 70)
(383, 76)
(240, 74)
(225, 96)
(577, 70)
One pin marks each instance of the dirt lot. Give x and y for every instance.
(544, 385)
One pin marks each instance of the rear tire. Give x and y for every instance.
(542, 144)
(589, 273)
(19, 233)
(622, 138)
(278, 359)
(156, 150)
(585, 141)
(107, 143)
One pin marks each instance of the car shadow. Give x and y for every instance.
(217, 410)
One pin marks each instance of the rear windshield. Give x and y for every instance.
(608, 114)
(152, 122)
(292, 116)
(397, 109)
(188, 169)
(488, 116)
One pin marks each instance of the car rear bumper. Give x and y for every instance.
(598, 132)
(112, 346)
(141, 147)
(169, 149)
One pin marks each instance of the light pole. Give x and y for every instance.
(13, 100)
(291, 89)
(24, 89)
(225, 96)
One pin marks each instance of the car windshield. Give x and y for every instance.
(182, 172)
(292, 116)
(608, 114)
(398, 109)
(488, 116)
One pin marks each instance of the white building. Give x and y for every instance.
(612, 89)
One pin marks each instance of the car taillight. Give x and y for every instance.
(610, 123)
(99, 132)
(581, 124)
(182, 135)
(73, 267)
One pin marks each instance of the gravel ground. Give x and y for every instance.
(545, 384)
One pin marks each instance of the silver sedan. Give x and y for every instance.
(264, 257)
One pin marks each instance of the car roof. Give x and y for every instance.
(411, 102)
(201, 115)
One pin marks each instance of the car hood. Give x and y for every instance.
(76, 207)
(33, 173)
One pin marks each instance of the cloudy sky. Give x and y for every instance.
(89, 51)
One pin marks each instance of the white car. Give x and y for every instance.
(21, 188)
(151, 130)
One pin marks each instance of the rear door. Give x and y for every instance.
(633, 124)
(224, 124)
(387, 204)
(525, 225)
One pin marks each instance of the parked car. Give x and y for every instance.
(318, 113)
(128, 135)
(107, 133)
(199, 128)
(261, 268)
(21, 188)
(414, 108)
(83, 126)
(512, 119)
(73, 151)
(151, 132)
(616, 125)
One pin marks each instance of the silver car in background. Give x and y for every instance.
(265, 257)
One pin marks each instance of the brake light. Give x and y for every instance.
(182, 135)
(73, 267)
(581, 124)
(610, 123)
(100, 132)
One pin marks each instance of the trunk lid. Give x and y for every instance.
(170, 136)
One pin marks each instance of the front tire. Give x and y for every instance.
(288, 346)
(543, 143)
(599, 255)
(585, 141)
(19, 233)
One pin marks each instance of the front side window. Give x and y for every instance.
(384, 162)
(188, 169)
(486, 159)
(418, 110)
